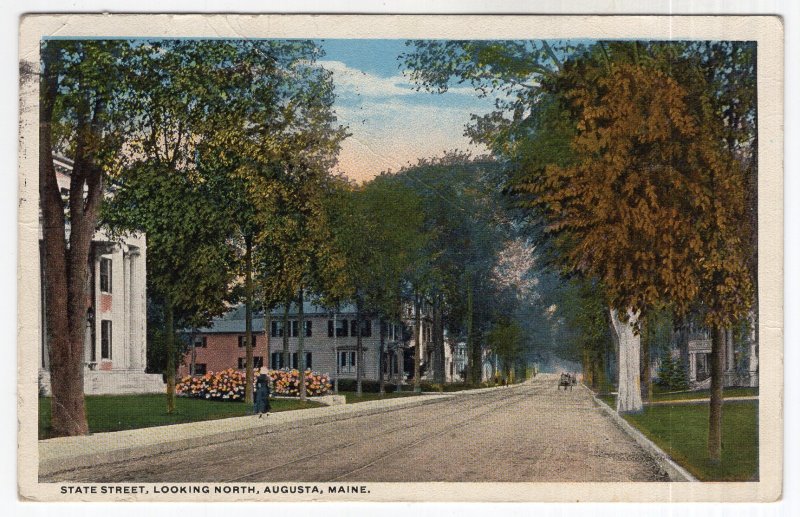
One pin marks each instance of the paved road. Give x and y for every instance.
(531, 432)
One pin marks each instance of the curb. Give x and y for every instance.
(128, 445)
(675, 472)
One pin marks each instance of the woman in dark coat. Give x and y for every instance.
(262, 395)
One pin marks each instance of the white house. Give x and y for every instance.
(116, 323)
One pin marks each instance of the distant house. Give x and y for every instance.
(741, 362)
(116, 323)
(459, 362)
(425, 339)
(329, 343)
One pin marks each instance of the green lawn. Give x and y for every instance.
(119, 412)
(704, 394)
(681, 430)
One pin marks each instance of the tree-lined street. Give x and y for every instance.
(529, 432)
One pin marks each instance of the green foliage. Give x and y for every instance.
(506, 340)
(672, 374)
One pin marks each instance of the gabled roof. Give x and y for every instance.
(234, 320)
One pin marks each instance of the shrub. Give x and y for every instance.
(367, 386)
(672, 374)
(229, 384)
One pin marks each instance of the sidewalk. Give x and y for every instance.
(67, 453)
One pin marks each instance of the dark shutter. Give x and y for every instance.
(330, 328)
(295, 326)
(353, 328)
(366, 331)
(308, 328)
(274, 328)
(308, 360)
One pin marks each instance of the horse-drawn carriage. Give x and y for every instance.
(568, 380)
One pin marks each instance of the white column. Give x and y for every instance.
(128, 308)
(141, 286)
(135, 307)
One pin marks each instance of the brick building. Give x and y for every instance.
(329, 343)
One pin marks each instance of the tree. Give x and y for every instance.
(506, 340)
(657, 151)
(653, 202)
(77, 116)
(273, 140)
(464, 218)
(189, 267)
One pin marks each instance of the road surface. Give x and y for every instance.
(531, 432)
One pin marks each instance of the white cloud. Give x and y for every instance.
(393, 125)
(393, 134)
(353, 80)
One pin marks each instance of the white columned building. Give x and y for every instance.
(115, 347)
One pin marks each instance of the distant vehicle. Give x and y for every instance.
(567, 380)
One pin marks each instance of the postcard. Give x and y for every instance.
(400, 258)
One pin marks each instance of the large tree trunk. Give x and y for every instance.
(646, 376)
(418, 341)
(629, 395)
(169, 345)
(66, 268)
(715, 405)
(335, 355)
(359, 348)
(382, 361)
(301, 355)
(474, 366)
(267, 325)
(285, 334)
(248, 321)
(438, 339)
(588, 377)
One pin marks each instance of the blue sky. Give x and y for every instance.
(391, 123)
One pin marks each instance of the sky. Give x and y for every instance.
(391, 123)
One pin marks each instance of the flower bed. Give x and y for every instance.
(229, 384)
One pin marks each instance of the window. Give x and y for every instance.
(366, 328)
(276, 360)
(200, 369)
(201, 342)
(258, 362)
(105, 275)
(276, 329)
(341, 328)
(243, 340)
(347, 361)
(105, 339)
(294, 328)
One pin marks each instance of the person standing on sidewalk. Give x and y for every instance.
(261, 404)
